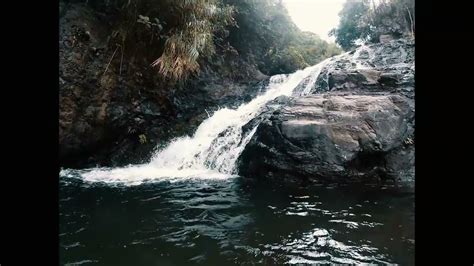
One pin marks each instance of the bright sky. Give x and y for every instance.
(318, 16)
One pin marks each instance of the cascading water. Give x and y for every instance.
(314, 76)
(211, 218)
(214, 148)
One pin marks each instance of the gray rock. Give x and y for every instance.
(385, 38)
(377, 67)
(356, 124)
(102, 114)
(334, 137)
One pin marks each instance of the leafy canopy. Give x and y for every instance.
(366, 20)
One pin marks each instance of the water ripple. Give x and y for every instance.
(232, 222)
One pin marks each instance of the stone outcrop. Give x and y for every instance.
(356, 124)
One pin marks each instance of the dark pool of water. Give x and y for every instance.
(234, 221)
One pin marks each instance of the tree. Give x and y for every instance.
(178, 36)
(363, 20)
(267, 33)
(351, 27)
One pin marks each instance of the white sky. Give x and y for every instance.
(318, 16)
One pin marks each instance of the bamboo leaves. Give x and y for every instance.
(199, 20)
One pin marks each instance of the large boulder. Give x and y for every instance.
(387, 67)
(352, 119)
(334, 137)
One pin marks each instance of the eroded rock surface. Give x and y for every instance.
(356, 123)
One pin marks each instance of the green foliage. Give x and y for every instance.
(183, 34)
(314, 49)
(366, 20)
(392, 17)
(198, 20)
(267, 33)
(304, 50)
(180, 31)
(350, 27)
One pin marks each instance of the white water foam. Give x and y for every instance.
(314, 76)
(212, 152)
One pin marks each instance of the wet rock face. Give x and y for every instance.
(386, 67)
(356, 123)
(334, 137)
(105, 103)
(385, 38)
(113, 108)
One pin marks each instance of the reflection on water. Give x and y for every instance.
(216, 222)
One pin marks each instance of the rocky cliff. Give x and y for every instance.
(114, 108)
(356, 123)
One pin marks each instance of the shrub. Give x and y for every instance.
(193, 36)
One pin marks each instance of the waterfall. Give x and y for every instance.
(314, 76)
(212, 151)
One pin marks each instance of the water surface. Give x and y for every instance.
(233, 221)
